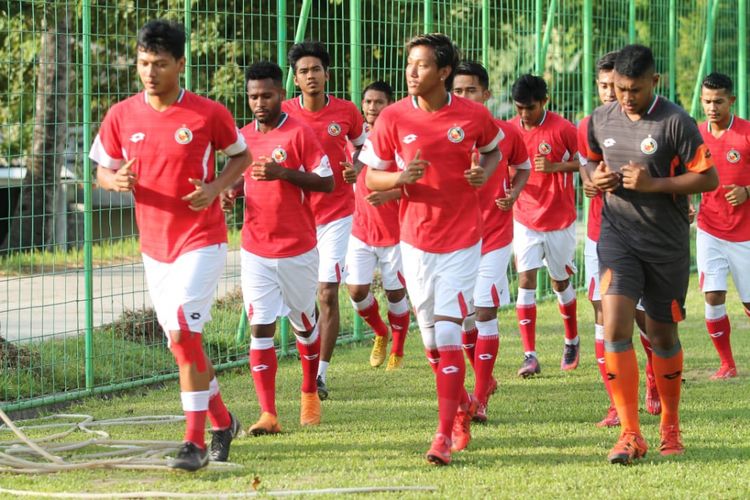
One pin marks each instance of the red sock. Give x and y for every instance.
(622, 370)
(469, 343)
(263, 366)
(648, 349)
(527, 326)
(668, 372)
(399, 329)
(217, 410)
(486, 353)
(195, 427)
(309, 359)
(720, 330)
(599, 350)
(568, 313)
(371, 315)
(450, 386)
(433, 357)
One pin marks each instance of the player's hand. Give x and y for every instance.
(691, 213)
(636, 177)
(378, 198)
(227, 199)
(506, 203)
(589, 188)
(125, 179)
(604, 178)
(350, 174)
(735, 195)
(476, 175)
(414, 170)
(543, 165)
(266, 169)
(203, 195)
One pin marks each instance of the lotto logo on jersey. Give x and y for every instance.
(410, 138)
(455, 135)
(544, 148)
(733, 156)
(183, 135)
(649, 146)
(137, 137)
(334, 129)
(278, 154)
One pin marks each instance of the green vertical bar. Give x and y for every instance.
(709, 40)
(88, 228)
(281, 28)
(284, 336)
(538, 38)
(588, 66)
(188, 55)
(486, 33)
(299, 35)
(428, 16)
(551, 10)
(704, 57)
(355, 59)
(631, 22)
(241, 334)
(672, 50)
(742, 58)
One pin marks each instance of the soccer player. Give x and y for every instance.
(496, 198)
(374, 242)
(723, 242)
(544, 218)
(159, 144)
(279, 258)
(432, 136)
(649, 155)
(333, 120)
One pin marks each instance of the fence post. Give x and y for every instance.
(486, 34)
(188, 55)
(299, 35)
(88, 228)
(742, 58)
(672, 50)
(551, 10)
(631, 22)
(704, 56)
(428, 16)
(355, 68)
(281, 35)
(538, 68)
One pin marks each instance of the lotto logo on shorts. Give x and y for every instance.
(733, 156)
(450, 370)
(455, 134)
(183, 135)
(278, 154)
(195, 316)
(334, 129)
(544, 148)
(649, 146)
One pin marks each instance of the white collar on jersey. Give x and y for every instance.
(179, 97)
(415, 103)
(731, 122)
(282, 120)
(302, 105)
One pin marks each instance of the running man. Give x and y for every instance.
(160, 144)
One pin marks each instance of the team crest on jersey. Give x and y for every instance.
(649, 146)
(334, 129)
(278, 154)
(183, 135)
(455, 134)
(544, 148)
(733, 156)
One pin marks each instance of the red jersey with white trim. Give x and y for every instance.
(596, 203)
(498, 224)
(375, 226)
(440, 212)
(278, 218)
(169, 147)
(547, 203)
(731, 155)
(332, 124)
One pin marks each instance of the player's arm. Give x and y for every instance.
(123, 179)
(542, 164)
(736, 195)
(518, 182)
(378, 198)
(205, 193)
(380, 180)
(638, 178)
(319, 179)
(357, 136)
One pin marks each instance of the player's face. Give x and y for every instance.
(373, 102)
(159, 71)
(422, 73)
(468, 86)
(531, 114)
(635, 94)
(717, 104)
(310, 75)
(605, 85)
(264, 98)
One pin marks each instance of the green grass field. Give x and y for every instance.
(540, 441)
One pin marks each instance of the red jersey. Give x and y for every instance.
(169, 147)
(332, 124)
(547, 203)
(376, 226)
(440, 212)
(731, 155)
(595, 204)
(278, 219)
(498, 224)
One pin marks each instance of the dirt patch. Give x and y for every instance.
(12, 356)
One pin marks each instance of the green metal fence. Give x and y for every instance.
(75, 318)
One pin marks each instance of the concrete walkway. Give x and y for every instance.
(53, 305)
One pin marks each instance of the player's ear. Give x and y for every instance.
(181, 63)
(656, 78)
(732, 100)
(486, 94)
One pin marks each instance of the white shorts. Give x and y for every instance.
(272, 288)
(440, 284)
(591, 261)
(717, 258)
(553, 249)
(491, 289)
(333, 240)
(361, 260)
(183, 291)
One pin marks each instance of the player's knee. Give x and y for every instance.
(328, 296)
(560, 286)
(716, 298)
(187, 350)
(358, 293)
(395, 295)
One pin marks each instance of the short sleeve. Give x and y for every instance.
(593, 150)
(490, 134)
(106, 151)
(225, 135)
(518, 157)
(691, 149)
(311, 152)
(569, 136)
(358, 132)
(379, 149)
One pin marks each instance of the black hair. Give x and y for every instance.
(446, 52)
(719, 81)
(635, 61)
(380, 86)
(161, 35)
(472, 68)
(308, 49)
(264, 70)
(606, 62)
(528, 89)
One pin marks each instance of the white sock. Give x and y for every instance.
(194, 401)
(399, 308)
(526, 297)
(566, 296)
(487, 328)
(599, 332)
(715, 312)
(322, 369)
(447, 334)
(366, 302)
